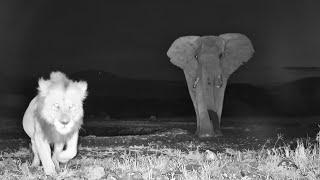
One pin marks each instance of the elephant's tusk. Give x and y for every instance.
(219, 82)
(196, 82)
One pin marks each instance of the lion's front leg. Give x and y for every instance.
(44, 152)
(58, 147)
(70, 151)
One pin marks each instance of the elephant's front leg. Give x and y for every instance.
(213, 92)
(215, 86)
(192, 91)
(219, 96)
(204, 125)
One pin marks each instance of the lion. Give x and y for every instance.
(54, 118)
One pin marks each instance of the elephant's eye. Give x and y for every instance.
(220, 55)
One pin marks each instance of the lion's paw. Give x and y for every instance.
(50, 169)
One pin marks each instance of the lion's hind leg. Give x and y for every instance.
(36, 159)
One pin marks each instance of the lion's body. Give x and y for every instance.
(29, 119)
(54, 117)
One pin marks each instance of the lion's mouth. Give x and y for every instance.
(63, 130)
(64, 125)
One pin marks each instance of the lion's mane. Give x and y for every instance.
(62, 84)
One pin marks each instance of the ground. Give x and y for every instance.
(169, 150)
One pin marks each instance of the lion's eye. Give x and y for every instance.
(72, 107)
(56, 106)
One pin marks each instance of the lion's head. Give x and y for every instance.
(60, 104)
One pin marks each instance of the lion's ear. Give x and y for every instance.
(43, 86)
(82, 85)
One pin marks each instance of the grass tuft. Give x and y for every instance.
(152, 162)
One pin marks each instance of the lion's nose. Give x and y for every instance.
(65, 122)
(64, 119)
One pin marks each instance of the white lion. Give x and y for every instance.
(54, 117)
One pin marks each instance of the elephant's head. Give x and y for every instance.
(220, 54)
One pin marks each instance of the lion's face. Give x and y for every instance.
(62, 103)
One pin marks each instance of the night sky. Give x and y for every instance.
(131, 39)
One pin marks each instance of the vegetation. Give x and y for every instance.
(163, 163)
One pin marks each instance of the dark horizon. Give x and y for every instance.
(131, 39)
(127, 43)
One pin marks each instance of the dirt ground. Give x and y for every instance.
(239, 135)
(110, 140)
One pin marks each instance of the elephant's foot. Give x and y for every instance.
(204, 128)
(205, 131)
(206, 134)
(217, 133)
(209, 126)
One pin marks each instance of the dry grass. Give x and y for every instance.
(148, 162)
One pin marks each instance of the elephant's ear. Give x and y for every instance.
(181, 53)
(238, 49)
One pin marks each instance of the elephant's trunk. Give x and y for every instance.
(214, 84)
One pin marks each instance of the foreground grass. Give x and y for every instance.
(150, 162)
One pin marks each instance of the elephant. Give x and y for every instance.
(207, 63)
